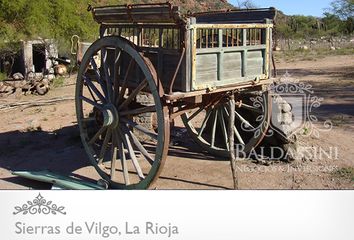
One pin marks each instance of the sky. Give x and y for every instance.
(294, 7)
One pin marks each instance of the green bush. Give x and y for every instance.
(2, 76)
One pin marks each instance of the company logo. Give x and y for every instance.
(39, 205)
(293, 104)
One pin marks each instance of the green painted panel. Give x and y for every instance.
(220, 66)
(255, 63)
(206, 68)
(254, 72)
(232, 65)
(254, 54)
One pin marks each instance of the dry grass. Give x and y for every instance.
(346, 173)
(311, 55)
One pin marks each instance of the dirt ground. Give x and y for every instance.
(47, 137)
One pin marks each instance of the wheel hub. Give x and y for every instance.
(110, 116)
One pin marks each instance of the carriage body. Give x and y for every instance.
(218, 49)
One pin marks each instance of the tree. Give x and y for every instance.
(350, 25)
(248, 4)
(333, 24)
(343, 8)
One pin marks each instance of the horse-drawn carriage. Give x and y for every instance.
(152, 65)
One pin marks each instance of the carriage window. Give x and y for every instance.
(209, 38)
(151, 37)
(254, 37)
(232, 37)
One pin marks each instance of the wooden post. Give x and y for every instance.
(231, 141)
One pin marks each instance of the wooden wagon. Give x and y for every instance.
(151, 65)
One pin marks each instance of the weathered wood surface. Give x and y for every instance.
(237, 16)
(147, 13)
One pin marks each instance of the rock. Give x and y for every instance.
(277, 49)
(50, 77)
(31, 75)
(60, 70)
(39, 75)
(18, 76)
(51, 71)
(333, 48)
(305, 47)
(34, 125)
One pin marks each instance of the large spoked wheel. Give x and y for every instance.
(208, 124)
(116, 93)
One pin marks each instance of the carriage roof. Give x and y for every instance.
(167, 13)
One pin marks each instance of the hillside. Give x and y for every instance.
(26, 19)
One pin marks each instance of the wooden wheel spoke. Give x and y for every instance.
(129, 146)
(140, 128)
(106, 73)
(97, 135)
(93, 103)
(236, 132)
(124, 84)
(214, 128)
(104, 147)
(115, 75)
(201, 130)
(114, 155)
(91, 93)
(98, 75)
(95, 68)
(123, 160)
(243, 120)
(138, 111)
(141, 148)
(93, 88)
(223, 128)
(251, 108)
(195, 113)
(238, 136)
(131, 97)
